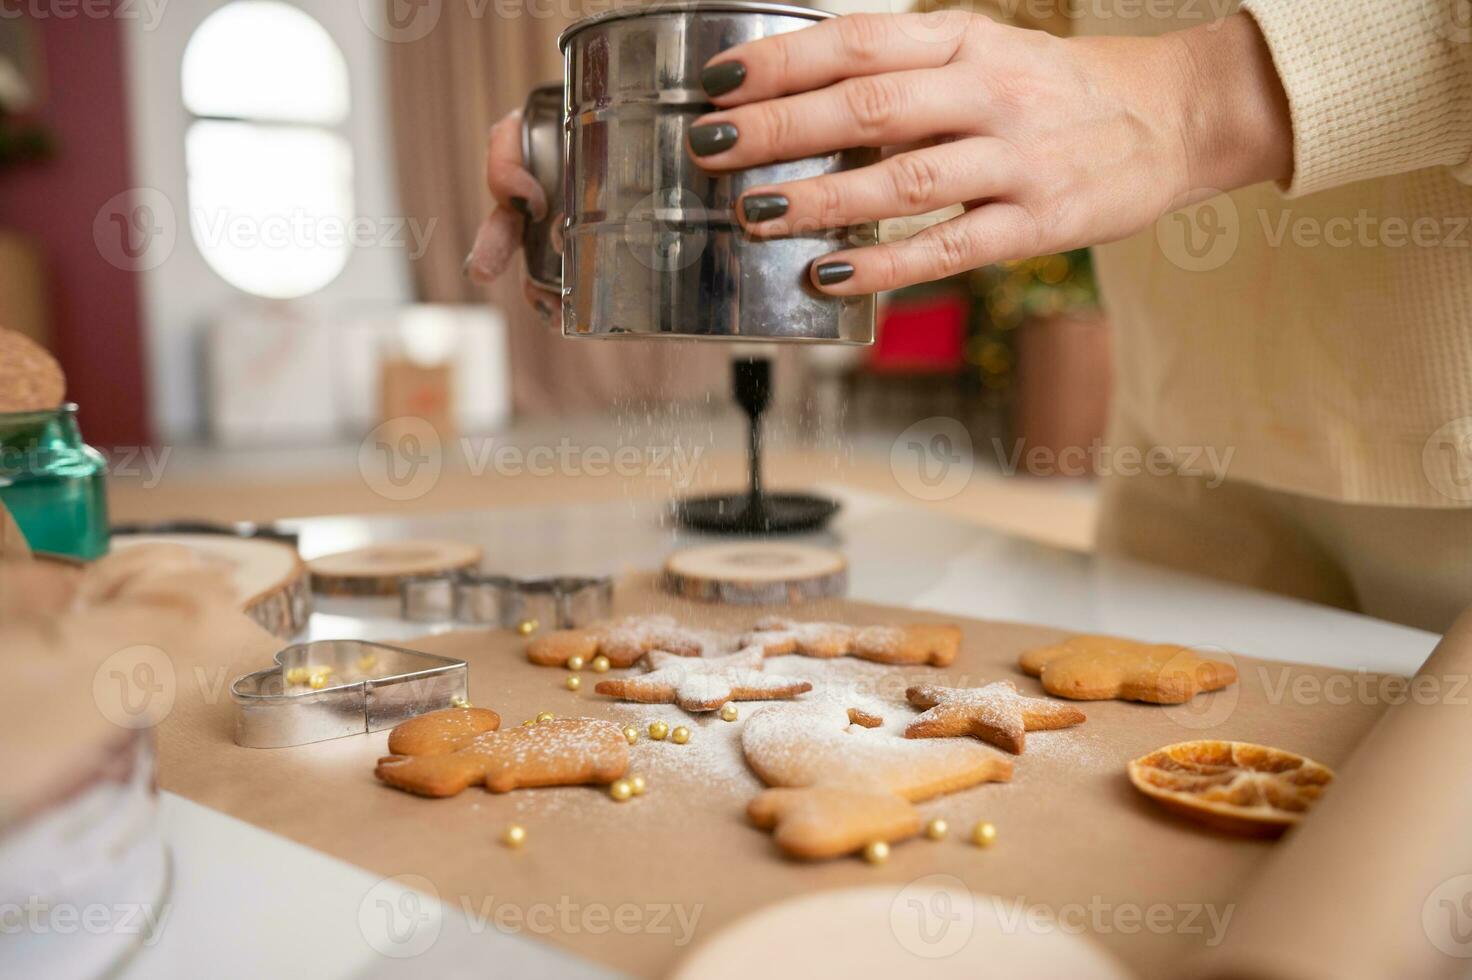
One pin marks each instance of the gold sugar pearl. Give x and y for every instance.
(729, 711)
(574, 682)
(515, 835)
(297, 675)
(574, 663)
(529, 723)
(527, 627)
(600, 664)
(459, 702)
(985, 834)
(638, 785)
(621, 789)
(937, 829)
(317, 682)
(658, 730)
(631, 733)
(876, 852)
(680, 735)
(545, 716)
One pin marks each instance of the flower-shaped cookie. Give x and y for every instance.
(704, 683)
(996, 713)
(1097, 668)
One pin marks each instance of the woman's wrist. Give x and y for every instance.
(1233, 112)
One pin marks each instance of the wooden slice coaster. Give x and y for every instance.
(270, 577)
(378, 569)
(757, 573)
(30, 378)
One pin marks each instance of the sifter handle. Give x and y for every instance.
(541, 151)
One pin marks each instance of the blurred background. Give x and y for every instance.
(240, 226)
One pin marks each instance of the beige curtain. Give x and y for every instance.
(447, 88)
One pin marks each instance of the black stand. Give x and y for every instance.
(755, 512)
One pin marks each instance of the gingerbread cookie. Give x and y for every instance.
(441, 732)
(559, 752)
(704, 683)
(624, 641)
(996, 713)
(839, 782)
(1097, 668)
(916, 644)
(30, 378)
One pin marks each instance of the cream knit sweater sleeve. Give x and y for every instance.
(1375, 87)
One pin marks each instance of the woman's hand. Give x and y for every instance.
(518, 195)
(1050, 144)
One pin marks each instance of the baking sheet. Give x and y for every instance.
(634, 885)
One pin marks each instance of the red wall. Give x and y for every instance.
(96, 325)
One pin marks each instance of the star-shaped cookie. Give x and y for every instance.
(1097, 668)
(920, 643)
(704, 683)
(996, 713)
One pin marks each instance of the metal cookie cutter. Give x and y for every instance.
(500, 601)
(331, 688)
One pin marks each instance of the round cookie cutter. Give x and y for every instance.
(500, 601)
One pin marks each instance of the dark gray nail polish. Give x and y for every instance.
(520, 204)
(832, 273)
(723, 78)
(712, 138)
(544, 311)
(763, 207)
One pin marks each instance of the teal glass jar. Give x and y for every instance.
(53, 484)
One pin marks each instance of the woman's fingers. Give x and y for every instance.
(496, 243)
(916, 182)
(506, 174)
(872, 110)
(860, 44)
(991, 233)
(547, 303)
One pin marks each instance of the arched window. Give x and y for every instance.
(270, 174)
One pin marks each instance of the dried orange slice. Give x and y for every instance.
(1233, 786)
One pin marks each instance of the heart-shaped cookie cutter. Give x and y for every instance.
(359, 687)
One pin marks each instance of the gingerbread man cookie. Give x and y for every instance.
(441, 732)
(624, 641)
(840, 782)
(559, 752)
(936, 645)
(704, 683)
(1097, 668)
(996, 713)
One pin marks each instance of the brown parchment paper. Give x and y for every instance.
(1075, 837)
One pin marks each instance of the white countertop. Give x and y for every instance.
(248, 903)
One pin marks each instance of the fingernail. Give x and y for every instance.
(763, 207)
(832, 273)
(465, 266)
(544, 311)
(712, 138)
(520, 204)
(723, 78)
